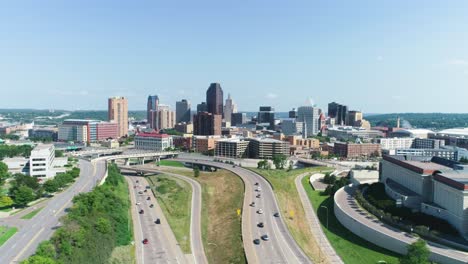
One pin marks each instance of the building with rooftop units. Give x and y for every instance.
(153, 141)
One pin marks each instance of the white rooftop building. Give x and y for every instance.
(41, 161)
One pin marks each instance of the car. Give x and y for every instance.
(259, 188)
(252, 204)
(134, 187)
(233, 166)
(137, 181)
(151, 205)
(276, 214)
(260, 211)
(256, 241)
(148, 187)
(145, 190)
(140, 192)
(261, 225)
(259, 195)
(256, 183)
(141, 211)
(138, 203)
(265, 238)
(149, 198)
(145, 241)
(158, 221)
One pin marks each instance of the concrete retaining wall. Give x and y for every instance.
(379, 238)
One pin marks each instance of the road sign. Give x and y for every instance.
(238, 211)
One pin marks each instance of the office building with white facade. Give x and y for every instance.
(232, 148)
(41, 160)
(153, 141)
(395, 143)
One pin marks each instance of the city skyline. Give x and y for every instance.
(358, 54)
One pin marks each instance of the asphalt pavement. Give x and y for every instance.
(162, 246)
(280, 247)
(41, 227)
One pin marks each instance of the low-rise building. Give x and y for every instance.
(414, 133)
(437, 187)
(83, 130)
(204, 144)
(356, 150)
(311, 143)
(450, 154)
(186, 128)
(395, 143)
(232, 148)
(41, 160)
(428, 143)
(292, 127)
(49, 132)
(266, 148)
(153, 141)
(345, 133)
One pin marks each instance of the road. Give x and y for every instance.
(162, 246)
(196, 242)
(314, 223)
(281, 247)
(24, 243)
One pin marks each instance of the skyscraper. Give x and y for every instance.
(118, 113)
(206, 124)
(202, 107)
(339, 112)
(165, 118)
(293, 113)
(183, 111)
(309, 115)
(214, 99)
(266, 114)
(151, 108)
(354, 118)
(229, 108)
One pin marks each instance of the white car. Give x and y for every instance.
(138, 203)
(260, 211)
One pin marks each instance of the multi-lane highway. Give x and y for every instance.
(162, 246)
(280, 247)
(196, 242)
(41, 227)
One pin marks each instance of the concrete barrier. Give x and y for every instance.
(385, 236)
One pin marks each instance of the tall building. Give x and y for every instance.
(202, 107)
(238, 119)
(293, 113)
(229, 108)
(354, 118)
(183, 111)
(309, 116)
(151, 108)
(214, 99)
(339, 112)
(118, 113)
(266, 114)
(205, 124)
(163, 118)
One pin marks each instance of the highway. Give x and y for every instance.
(162, 245)
(281, 247)
(24, 243)
(196, 242)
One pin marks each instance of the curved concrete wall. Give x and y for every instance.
(379, 238)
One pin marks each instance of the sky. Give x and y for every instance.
(374, 56)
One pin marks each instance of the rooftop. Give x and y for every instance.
(461, 132)
(152, 135)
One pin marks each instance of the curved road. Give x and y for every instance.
(196, 242)
(162, 246)
(41, 227)
(281, 247)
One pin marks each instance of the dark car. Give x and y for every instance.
(260, 224)
(145, 190)
(158, 221)
(151, 205)
(145, 241)
(265, 238)
(259, 195)
(256, 183)
(276, 215)
(149, 198)
(137, 181)
(148, 187)
(256, 241)
(252, 204)
(141, 211)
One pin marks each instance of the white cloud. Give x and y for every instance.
(271, 96)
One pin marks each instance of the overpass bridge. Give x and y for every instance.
(141, 157)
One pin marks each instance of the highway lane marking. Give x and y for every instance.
(14, 245)
(28, 245)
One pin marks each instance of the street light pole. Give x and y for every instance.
(327, 212)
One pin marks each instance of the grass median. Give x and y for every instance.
(171, 163)
(291, 207)
(31, 214)
(175, 198)
(350, 247)
(222, 195)
(6, 233)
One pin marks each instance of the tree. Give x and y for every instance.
(39, 260)
(24, 195)
(280, 161)
(58, 153)
(3, 173)
(5, 201)
(196, 171)
(464, 160)
(51, 186)
(46, 249)
(418, 253)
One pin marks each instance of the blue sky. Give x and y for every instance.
(375, 56)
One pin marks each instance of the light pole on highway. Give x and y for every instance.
(327, 212)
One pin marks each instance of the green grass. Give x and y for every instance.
(350, 247)
(175, 198)
(171, 163)
(31, 214)
(6, 209)
(291, 207)
(6, 233)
